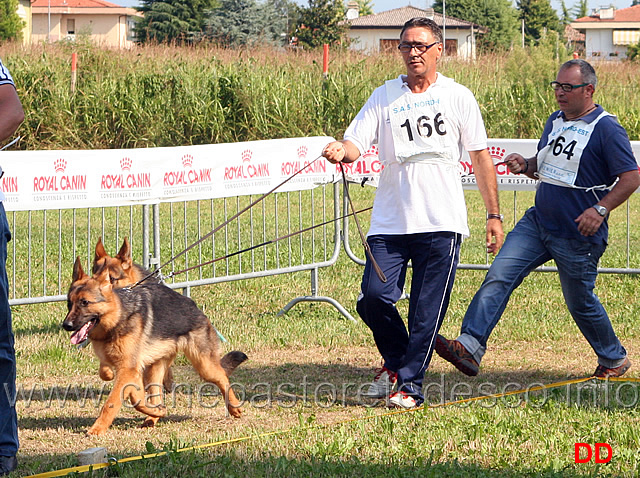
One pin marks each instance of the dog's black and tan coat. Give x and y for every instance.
(137, 333)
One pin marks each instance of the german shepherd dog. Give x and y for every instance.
(123, 272)
(137, 333)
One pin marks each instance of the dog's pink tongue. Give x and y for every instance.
(81, 335)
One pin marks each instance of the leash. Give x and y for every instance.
(365, 244)
(205, 237)
(114, 461)
(266, 243)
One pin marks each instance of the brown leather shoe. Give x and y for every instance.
(603, 372)
(455, 353)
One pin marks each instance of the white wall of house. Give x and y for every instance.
(105, 30)
(368, 40)
(599, 46)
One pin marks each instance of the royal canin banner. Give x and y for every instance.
(64, 179)
(367, 169)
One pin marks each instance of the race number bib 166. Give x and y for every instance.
(418, 126)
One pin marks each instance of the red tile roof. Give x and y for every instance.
(398, 16)
(631, 14)
(74, 4)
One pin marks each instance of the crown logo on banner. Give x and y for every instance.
(302, 152)
(372, 151)
(60, 165)
(246, 155)
(497, 153)
(125, 164)
(187, 161)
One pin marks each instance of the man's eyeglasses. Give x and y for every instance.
(420, 47)
(566, 87)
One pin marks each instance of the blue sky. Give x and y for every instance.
(383, 5)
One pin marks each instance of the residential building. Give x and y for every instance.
(381, 31)
(609, 31)
(104, 23)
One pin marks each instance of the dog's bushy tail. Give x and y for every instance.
(231, 360)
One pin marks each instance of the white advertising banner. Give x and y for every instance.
(367, 169)
(63, 179)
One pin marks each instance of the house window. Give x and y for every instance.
(388, 46)
(71, 26)
(451, 47)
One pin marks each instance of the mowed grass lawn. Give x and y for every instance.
(302, 413)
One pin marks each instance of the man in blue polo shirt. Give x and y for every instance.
(586, 169)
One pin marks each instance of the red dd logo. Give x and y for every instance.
(589, 449)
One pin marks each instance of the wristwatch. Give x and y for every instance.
(601, 210)
(495, 216)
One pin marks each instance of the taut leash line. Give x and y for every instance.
(365, 244)
(203, 238)
(266, 243)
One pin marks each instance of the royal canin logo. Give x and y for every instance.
(302, 152)
(187, 175)
(246, 170)
(59, 165)
(497, 153)
(60, 181)
(187, 161)
(125, 164)
(372, 151)
(125, 180)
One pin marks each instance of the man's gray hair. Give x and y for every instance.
(587, 72)
(423, 22)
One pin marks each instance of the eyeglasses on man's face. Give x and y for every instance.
(566, 87)
(419, 47)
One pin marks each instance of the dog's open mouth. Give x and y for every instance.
(81, 335)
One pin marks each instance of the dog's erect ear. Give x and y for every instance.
(103, 278)
(100, 252)
(78, 272)
(124, 255)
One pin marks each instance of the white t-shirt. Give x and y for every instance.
(420, 191)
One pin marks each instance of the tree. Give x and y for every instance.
(246, 22)
(633, 52)
(581, 9)
(366, 8)
(321, 22)
(11, 24)
(498, 16)
(565, 13)
(539, 17)
(171, 20)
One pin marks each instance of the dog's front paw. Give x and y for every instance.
(149, 422)
(96, 430)
(235, 412)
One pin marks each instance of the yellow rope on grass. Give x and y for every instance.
(97, 466)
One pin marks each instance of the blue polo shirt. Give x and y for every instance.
(607, 155)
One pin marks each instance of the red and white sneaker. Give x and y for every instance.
(402, 400)
(383, 383)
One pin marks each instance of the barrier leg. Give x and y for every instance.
(316, 298)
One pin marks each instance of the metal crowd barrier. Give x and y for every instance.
(46, 243)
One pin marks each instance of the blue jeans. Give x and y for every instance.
(8, 418)
(434, 257)
(526, 247)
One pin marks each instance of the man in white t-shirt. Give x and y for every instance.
(421, 122)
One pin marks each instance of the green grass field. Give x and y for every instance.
(302, 413)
